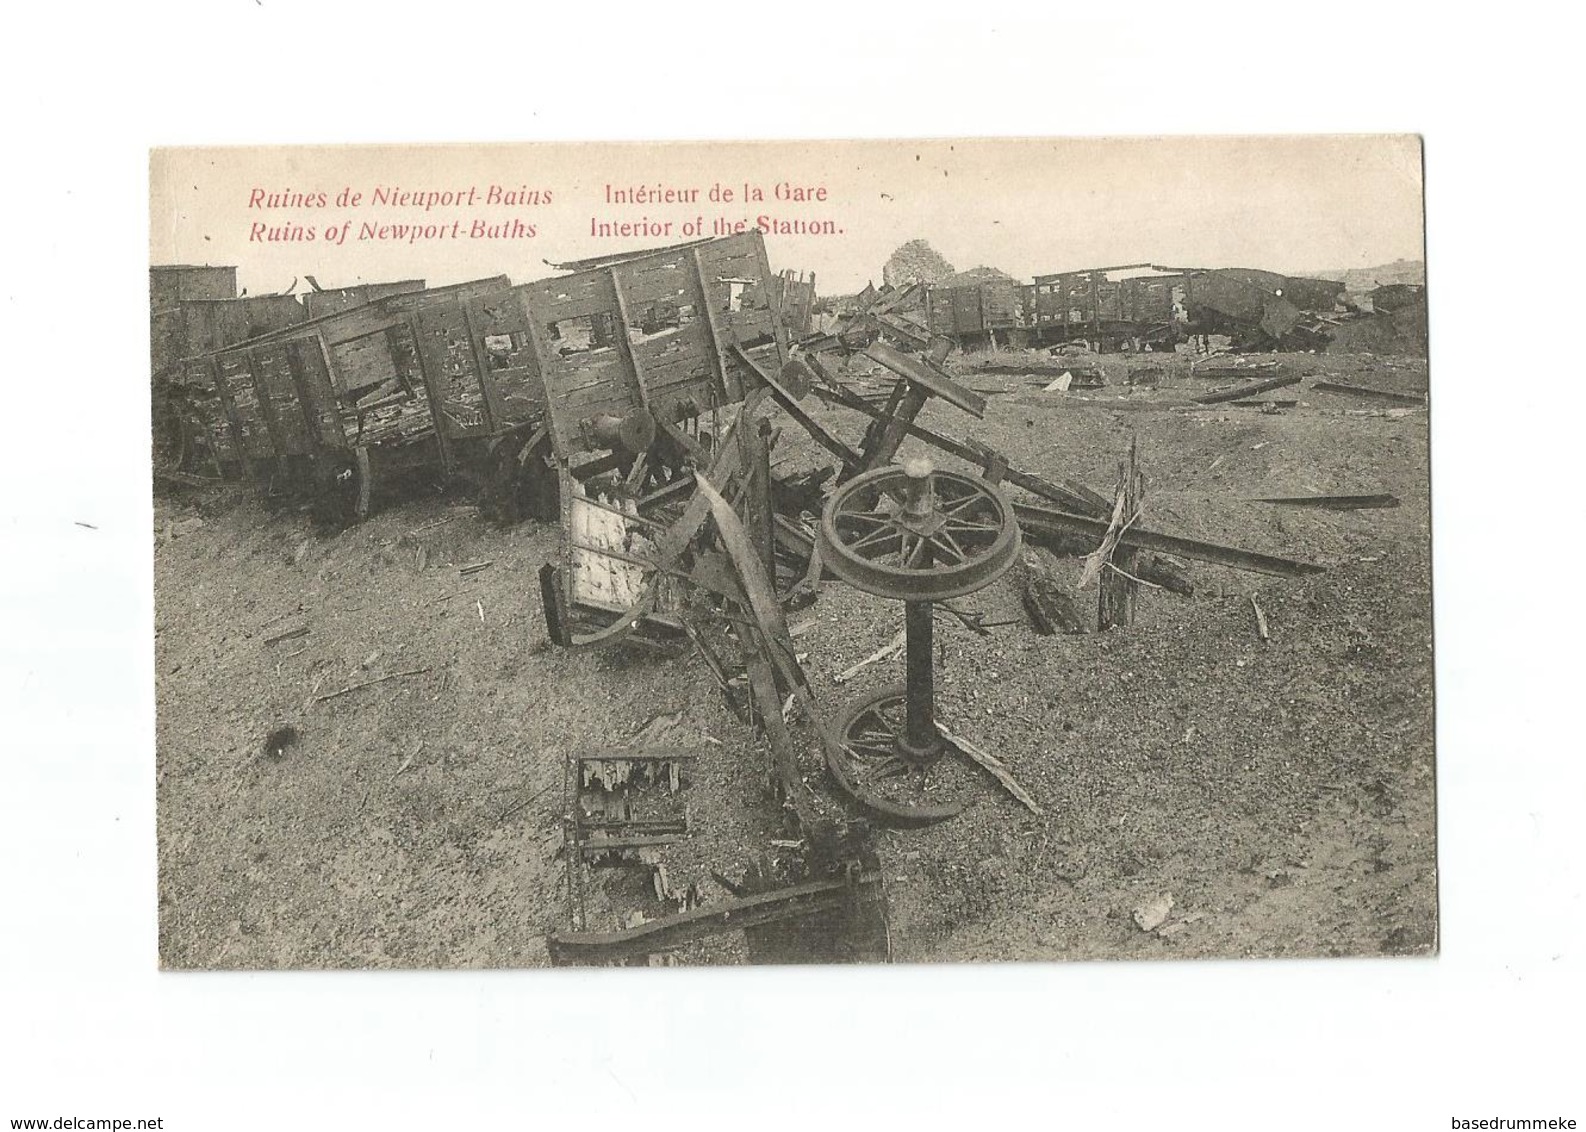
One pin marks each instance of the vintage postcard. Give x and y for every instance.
(817, 552)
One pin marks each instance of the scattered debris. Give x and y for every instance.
(1168, 931)
(441, 522)
(367, 683)
(1153, 913)
(889, 651)
(1261, 619)
(1238, 369)
(659, 722)
(408, 762)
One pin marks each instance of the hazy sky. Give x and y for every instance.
(1289, 204)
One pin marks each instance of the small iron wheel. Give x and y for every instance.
(958, 534)
(873, 765)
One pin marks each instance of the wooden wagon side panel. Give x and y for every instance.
(319, 303)
(967, 317)
(512, 353)
(749, 311)
(208, 410)
(280, 400)
(1000, 302)
(585, 373)
(234, 381)
(307, 358)
(409, 302)
(651, 333)
(747, 314)
(451, 367)
(383, 387)
(675, 312)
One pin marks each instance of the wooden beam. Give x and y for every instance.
(635, 371)
(1071, 495)
(707, 313)
(432, 395)
(494, 409)
(1037, 520)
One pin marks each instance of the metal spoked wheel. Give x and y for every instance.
(871, 763)
(914, 534)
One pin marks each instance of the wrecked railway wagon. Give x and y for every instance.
(517, 388)
(645, 350)
(1137, 304)
(983, 313)
(444, 379)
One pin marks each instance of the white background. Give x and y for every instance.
(90, 1028)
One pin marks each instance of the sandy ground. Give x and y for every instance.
(1280, 792)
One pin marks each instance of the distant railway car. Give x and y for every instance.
(1110, 307)
(982, 313)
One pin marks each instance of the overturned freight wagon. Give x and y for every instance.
(1262, 309)
(523, 389)
(444, 379)
(645, 351)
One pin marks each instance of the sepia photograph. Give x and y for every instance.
(789, 567)
(708, 554)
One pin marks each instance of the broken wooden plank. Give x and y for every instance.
(920, 372)
(1120, 585)
(852, 460)
(1046, 599)
(993, 766)
(888, 651)
(367, 683)
(1241, 392)
(1255, 370)
(1365, 391)
(1045, 521)
(1336, 502)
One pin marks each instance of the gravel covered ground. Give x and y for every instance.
(1279, 792)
